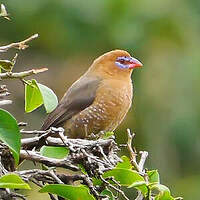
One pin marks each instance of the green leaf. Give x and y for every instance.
(50, 100)
(164, 192)
(153, 176)
(108, 193)
(126, 177)
(9, 133)
(37, 94)
(68, 191)
(140, 185)
(13, 181)
(6, 65)
(164, 196)
(160, 187)
(33, 97)
(107, 135)
(54, 152)
(125, 164)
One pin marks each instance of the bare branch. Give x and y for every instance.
(22, 124)
(144, 155)
(51, 162)
(19, 45)
(114, 188)
(34, 132)
(3, 93)
(139, 166)
(132, 153)
(139, 196)
(20, 75)
(5, 102)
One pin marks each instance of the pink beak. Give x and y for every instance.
(134, 63)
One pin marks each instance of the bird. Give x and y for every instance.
(99, 100)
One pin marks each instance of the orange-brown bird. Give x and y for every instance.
(99, 99)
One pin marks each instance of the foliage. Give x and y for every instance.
(37, 94)
(13, 181)
(69, 192)
(9, 133)
(54, 152)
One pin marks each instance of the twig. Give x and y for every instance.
(22, 124)
(89, 183)
(139, 167)
(52, 197)
(35, 132)
(55, 177)
(113, 187)
(4, 94)
(132, 153)
(139, 196)
(5, 102)
(144, 155)
(104, 156)
(19, 45)
(13, 195)
(20, 75)
(51, 162)
(95, 158)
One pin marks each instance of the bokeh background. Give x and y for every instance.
(164, 35)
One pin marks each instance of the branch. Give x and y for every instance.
(19, 45)
(144, 155)
(4, 93)
(139, 166)
(49, 176)
(133, 154)
(20, 75)
(50, 162)
(106, 182)
(5, 102)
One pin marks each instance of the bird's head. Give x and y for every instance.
(116, 63)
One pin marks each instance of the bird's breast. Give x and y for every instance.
(112, 102)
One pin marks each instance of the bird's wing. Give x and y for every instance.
(79, 96)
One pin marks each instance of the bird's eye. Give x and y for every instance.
(122, 61)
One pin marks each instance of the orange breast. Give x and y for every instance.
(112, 102)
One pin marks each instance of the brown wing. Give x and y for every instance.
(79, 96)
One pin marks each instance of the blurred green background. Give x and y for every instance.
(164, 35)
